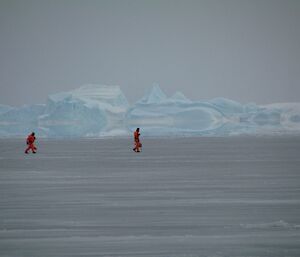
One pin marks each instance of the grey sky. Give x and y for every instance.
(246, 50)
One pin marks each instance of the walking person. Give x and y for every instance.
(30, 142)
(137, 142)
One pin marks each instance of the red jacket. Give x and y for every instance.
(136, 136)
(30, 139)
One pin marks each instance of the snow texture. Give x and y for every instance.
(192, 197)
(98, 111)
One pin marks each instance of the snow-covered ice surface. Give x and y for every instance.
(237, 196)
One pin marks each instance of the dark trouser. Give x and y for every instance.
(32, 147)
(137, 146)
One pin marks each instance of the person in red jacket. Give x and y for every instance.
(30, 142)
(137, 140)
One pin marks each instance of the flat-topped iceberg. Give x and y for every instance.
(90, 110)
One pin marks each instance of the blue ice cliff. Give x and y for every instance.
(99, 111)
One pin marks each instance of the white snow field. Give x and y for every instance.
(191, 197)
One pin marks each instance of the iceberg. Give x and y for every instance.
(153, 96)
(179, 97)
(99, 111)
(158, 114)
(20, 121)
(280, 117)
(91, 110)
(5, 108)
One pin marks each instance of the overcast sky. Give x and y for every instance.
(245, 50)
